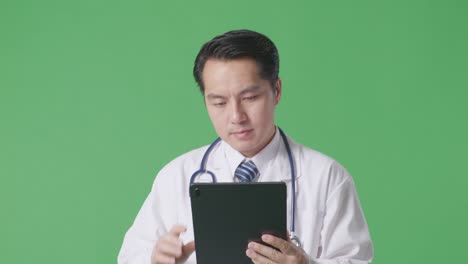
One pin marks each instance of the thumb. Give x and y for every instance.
(187, 250)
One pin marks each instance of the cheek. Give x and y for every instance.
(218, 120)
(263, 115)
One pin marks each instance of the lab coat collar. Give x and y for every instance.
(226, 161)
(282, 160)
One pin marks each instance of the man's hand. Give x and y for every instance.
(288, 254)
(169, 249)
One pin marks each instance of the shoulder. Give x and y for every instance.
(311, 156)
(187, 159)
(181, 166)
(319, 166)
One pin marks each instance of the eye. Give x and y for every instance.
(219, 104)
(251, 98)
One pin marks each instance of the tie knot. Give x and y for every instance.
(246, 172)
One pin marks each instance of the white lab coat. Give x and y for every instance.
(329, 219)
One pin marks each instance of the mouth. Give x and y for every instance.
(242, 133)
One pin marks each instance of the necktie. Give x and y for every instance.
(246, 171)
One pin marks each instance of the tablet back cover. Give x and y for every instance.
(227, 216)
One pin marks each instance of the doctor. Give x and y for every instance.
(237, 73)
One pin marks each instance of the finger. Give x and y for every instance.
(159, 257)
(172, 240)
(284, 246)
(268, 252)
(170, 250)
(163, 259)
(187, 250)
(176, 230)
(258, 258)
(170, 244)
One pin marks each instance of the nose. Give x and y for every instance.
(238, 115)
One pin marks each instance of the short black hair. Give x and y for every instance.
(237, 44)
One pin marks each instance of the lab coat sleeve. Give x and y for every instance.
(141, 238)
(345, 236)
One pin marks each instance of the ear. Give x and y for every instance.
(278, 91)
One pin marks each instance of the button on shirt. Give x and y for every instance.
(329, 218)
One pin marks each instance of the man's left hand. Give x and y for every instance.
(288, 252)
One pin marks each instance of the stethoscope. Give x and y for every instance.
(292, 236)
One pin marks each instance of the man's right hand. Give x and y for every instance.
(169, 249)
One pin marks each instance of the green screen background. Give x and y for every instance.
(96, 96)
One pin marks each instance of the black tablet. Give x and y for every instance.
(227, 216)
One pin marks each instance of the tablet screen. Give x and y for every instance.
(227, 216)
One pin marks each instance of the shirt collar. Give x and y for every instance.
(261, 159)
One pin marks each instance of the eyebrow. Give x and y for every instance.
(214, 96)
(249, 89)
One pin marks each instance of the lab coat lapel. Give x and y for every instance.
(220, 166)
(281, 165)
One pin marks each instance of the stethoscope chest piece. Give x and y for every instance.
(295, 240)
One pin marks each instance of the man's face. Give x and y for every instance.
(241, 104)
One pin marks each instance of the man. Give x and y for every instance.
(238, 75)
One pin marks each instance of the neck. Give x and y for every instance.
(270, 138)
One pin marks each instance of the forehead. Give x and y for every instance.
(236, 73)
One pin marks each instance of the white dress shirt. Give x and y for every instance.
(329, 219)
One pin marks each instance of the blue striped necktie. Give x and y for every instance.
(246, 172)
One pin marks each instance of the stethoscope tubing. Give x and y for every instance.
(203, 164)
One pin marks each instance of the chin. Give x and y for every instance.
(244, 148)
(246, 145)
